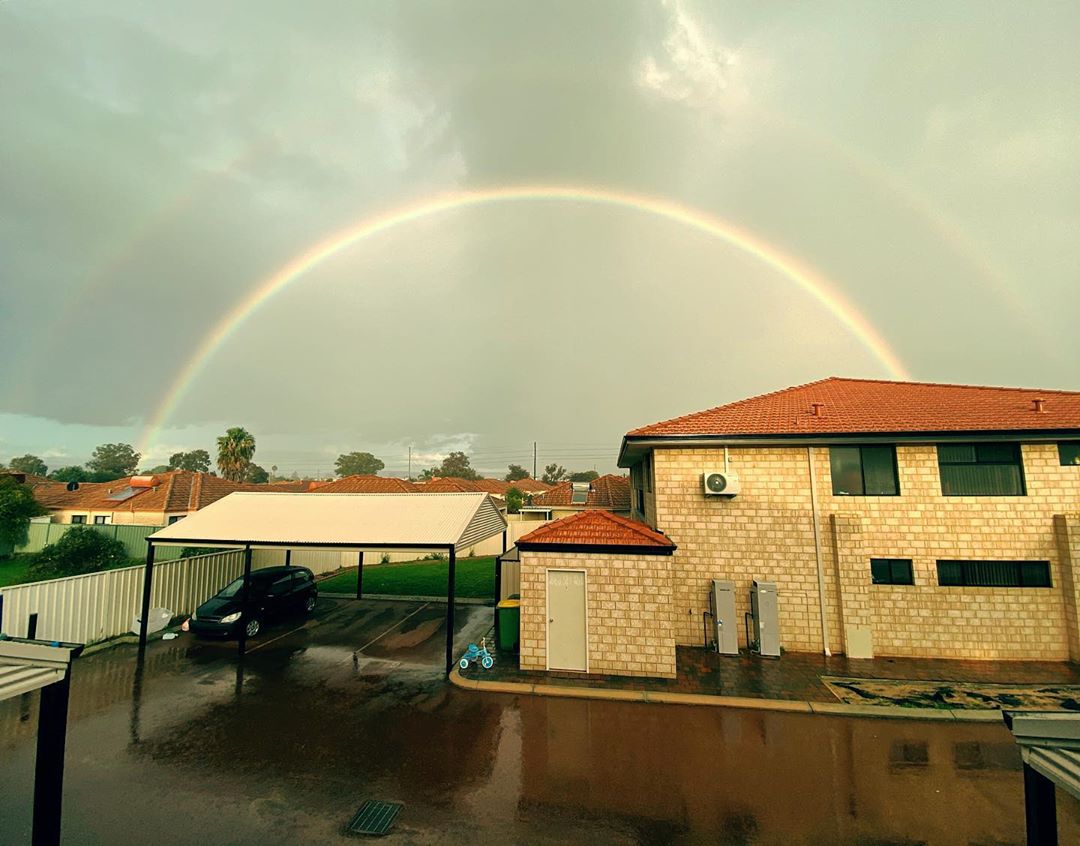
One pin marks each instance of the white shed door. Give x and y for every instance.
(567, 647)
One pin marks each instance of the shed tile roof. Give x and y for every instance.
(608, 491)
(530, 485)
(860, 406)
(595, 528)
(367, 484)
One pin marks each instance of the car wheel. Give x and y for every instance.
(252, 627)
(309, 606)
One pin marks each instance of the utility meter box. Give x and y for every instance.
(765, 611)
(725, 628)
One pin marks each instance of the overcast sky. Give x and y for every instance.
(158, 160)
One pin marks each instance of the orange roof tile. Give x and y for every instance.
(608, 491)
(865, 406)
(596, 530)
(529, 485)
(367, 484)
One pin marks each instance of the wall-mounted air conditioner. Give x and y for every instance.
(720, 483)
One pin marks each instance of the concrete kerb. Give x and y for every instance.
(790, 705)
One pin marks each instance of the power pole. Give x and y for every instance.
(534, 459)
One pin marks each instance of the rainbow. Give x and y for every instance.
(799, 274)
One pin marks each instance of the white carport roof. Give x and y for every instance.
(407, 520)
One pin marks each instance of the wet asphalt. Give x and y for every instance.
(192, 746)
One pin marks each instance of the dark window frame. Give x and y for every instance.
(1065, 447)
(1029, 574)
(862, 469)
(78, 519)
(101, 519)
(976, 446)
(900, 571)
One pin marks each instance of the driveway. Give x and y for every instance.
(196, 747)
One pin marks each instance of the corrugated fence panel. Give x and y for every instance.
(511, 580)
(132, 537)
(97, 606)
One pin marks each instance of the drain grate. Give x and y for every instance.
(374, 817)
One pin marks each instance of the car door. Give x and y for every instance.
(301, 587)
(279, 594)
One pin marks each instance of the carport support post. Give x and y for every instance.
(148, 583)
(360, 575)
(241, 642)
(498, 589)
(1040, 808)
(49, 765)
(450, 585)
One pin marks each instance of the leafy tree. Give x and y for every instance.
(358, 464)
(455, 465)
(17, 506)
(256, 475)
(553, 474)
(236, 448)
(516, 472)
(514, 500)
(79, 550)
(29, 464)
(584, 476)
(111, 461)
(74, 473)
(197, 460)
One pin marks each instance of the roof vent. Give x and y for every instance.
(815, 408)
(1037, 405)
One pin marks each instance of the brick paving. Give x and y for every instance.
(795, 676)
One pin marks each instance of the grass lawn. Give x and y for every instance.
(16, 571)
(475, 578)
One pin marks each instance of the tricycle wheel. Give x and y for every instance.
(463, 663)
(487, 662)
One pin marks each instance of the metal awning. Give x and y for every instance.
(405, 521)
(26, 666)
(1050, 748)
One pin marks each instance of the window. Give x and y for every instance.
(281, 586)
(1069, 453)
(981, 469)
(864, 471)
(101, 519)
(175, 517)
(641, 502)
(1012, 574)
(891, 571)
(78, 519)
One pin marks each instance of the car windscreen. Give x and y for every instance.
(231, 589)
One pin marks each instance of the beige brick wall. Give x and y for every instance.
(629, 604)
(767, 532)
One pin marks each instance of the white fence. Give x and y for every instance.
(97, 606)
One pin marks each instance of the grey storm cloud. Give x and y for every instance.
(158, 160)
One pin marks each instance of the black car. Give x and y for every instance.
(276, 592)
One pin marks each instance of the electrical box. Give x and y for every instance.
(725, 627)
(765, 611)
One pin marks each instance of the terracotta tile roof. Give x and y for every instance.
(609, 491)
(367, 484)
(595, 529)
(860, 406)
(529, 486)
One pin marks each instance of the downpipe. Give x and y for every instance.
(817, 552)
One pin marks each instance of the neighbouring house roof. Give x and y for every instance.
(452, 484)
(409, 520)
(837, 406)
(367, 484)
(596, 530)
(173, 492)
(610, 491)
(529, 485)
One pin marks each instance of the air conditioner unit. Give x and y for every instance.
(720, 482)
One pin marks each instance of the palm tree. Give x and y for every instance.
(236, 448)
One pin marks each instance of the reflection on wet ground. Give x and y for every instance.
(195, 747)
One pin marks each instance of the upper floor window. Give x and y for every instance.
(78, 519)
(981, 469)
(864, 470)
(101, 519)
(1011, 574)
(1069, 452)
(891, 571)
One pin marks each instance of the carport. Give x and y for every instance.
(408, 521)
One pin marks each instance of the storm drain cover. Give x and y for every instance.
(374, 817)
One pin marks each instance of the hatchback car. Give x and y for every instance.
(276, 593)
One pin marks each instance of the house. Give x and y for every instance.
(529, 485)
(149, 500)
(610, 493)
(894, 518)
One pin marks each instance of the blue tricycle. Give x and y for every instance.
(477, 653)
